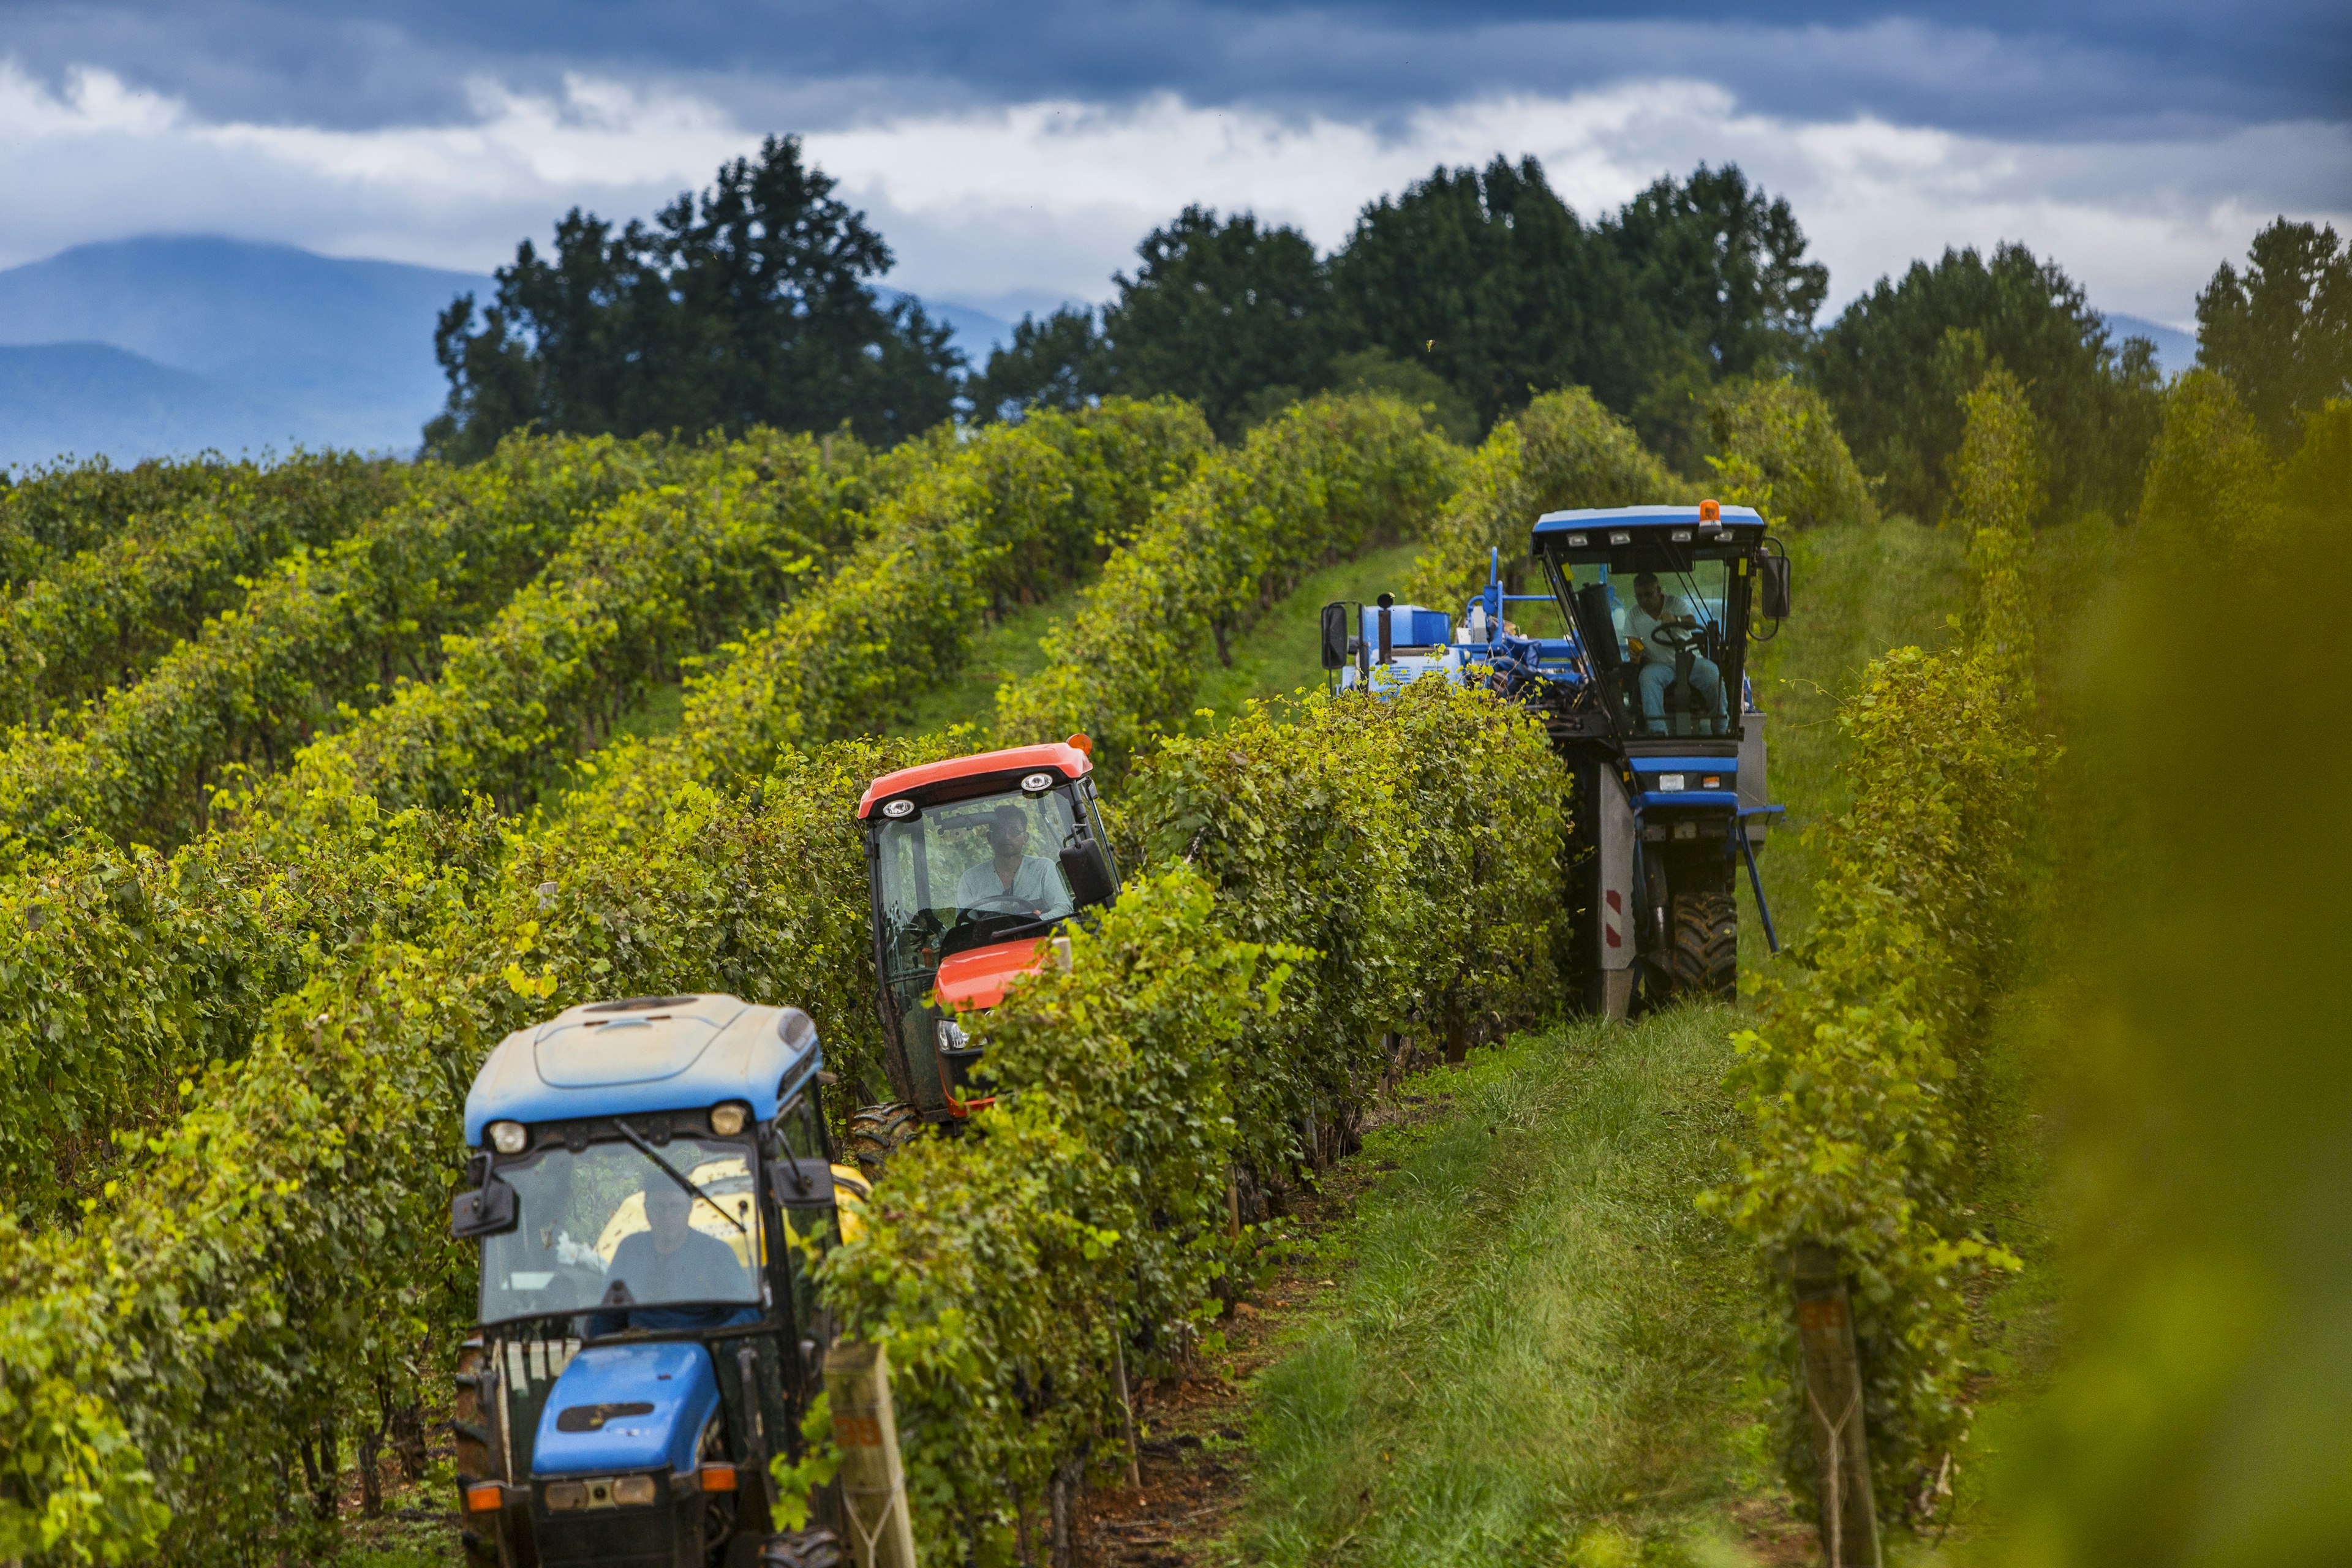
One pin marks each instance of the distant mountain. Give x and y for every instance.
(2176, 351)
(141, 347)
(79, 400)
(279, 346)
(976, 331)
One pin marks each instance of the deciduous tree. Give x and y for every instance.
(748, 305)
(1229, 315)
(1896, 364)
(2282, 331)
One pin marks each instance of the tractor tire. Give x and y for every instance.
(1704, 960)
(801, 1549)
(474, 1420)
(876, 1132)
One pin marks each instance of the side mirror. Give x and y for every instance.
(1772, 587)
(1598, 625)
(1335, 637)
(489, 1209)
(801, 1183)
(1090, 879)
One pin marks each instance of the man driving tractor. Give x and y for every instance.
(1012, 877)
(669, 1260)
(1667, 630)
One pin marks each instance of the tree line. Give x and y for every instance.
(1470, 293)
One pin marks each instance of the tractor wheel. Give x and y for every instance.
(474, 1419)
(801, 1549)
(1705, 958)
(876, 1131)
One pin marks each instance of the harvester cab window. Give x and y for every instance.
(973, 871)
(1667, 615)
(605, 1232)
(800, 1131)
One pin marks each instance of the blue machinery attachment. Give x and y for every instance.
(1657, 606)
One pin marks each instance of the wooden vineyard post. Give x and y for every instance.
(872, 1482)
(1833, 1379)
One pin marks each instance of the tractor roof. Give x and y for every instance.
(644, 1053)
(1642, 517)
(1059, 754)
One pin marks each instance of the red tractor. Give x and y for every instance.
(973, 864)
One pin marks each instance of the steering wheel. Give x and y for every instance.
(1010, 904)
(586, 1284)
(1675, 639)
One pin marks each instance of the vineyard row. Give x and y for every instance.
(273, 1025)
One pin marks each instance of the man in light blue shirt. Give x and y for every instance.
(1654, 612)
(669, 1261)
(1011, 880)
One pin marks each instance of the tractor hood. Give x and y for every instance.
(977, 978)
(626, 1407)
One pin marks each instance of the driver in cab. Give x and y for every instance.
(1012, 880)
(669, 1260)
(1666, 627)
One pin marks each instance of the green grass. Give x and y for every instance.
(1276, 655)
(1537, 1351)
(1282, 652)
(658, 714)
(394, 1543)
(1006, 651)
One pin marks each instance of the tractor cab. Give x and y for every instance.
(1661, 598)
(652, 1182)
(974, 863)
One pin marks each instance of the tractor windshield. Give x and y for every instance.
(1671, 615)
(971, 872)
(605, 1231)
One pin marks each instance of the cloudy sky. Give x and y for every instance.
(1013, 154)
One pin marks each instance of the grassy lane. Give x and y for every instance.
(1282, 652)
(1007, 651)
(1535, 1349)
(1275, 656)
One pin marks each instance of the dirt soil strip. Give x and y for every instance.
(1195, 1451)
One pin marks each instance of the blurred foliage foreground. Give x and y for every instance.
(2201, 1417)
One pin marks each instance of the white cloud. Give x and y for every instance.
(1044, 200)
(2141, 223)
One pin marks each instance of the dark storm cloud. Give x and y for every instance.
(2007, 68)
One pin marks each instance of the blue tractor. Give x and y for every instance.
(1642, 687)
(653, 1179)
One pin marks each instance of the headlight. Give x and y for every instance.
(951, 1034)
(728, 1119)
(898, 810)
(613, 1491)
(1037, 783)
(509, 1137)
